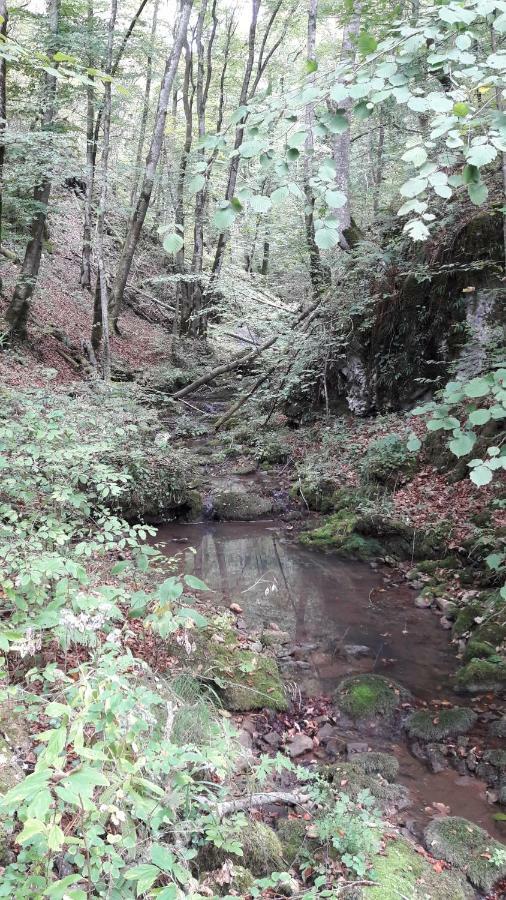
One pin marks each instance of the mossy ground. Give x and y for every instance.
(377, 763)
(402, 872)
(435, 725)
(470, 848)
(352, 778)
(481, 675)
(369, 696)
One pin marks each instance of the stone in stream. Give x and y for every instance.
(237, 505)
(370, 697)
(437, 724)
(299, 744)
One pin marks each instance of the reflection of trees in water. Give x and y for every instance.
(311, 597)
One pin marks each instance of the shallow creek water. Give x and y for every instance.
(326, 603)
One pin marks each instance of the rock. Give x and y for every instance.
(498, 728)
(437, 724)
(436, 760)
(445, 623)
(275, 637)
(447, 607)
(327, 732)
(299, 744)
(244, 738)
(402, 872)
(355, 651)
(423, 601)
(481, 675)
(368, 697)
(354, 747)
(238, 505)
(467, 846)
(352, 779)
(272, 738)
(377, 763)
(261, 848)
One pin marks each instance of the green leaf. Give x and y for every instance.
(481, 154)
(193, 582)
(478, 193)
(252, 148)
(326, 238)
(187, 613)
(196, 184)
(55, 837)
(120, 567)
(170, 589)
(311, 66)
(145, 875)
(463, 444)
(292, 154)
(162, 857)
(337, 123)
(481, 475)
(32, 828)
(477, 387)
(494, 560)
(297, 139)
(224, 215)
(366, 43)
(460, 110)
(414, 443)
(238, 115)
(58, 890)
(470, 174)
(279, 195)
(335, 199)
(479, 416)
(173, 243)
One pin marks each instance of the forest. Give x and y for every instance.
(252, 449)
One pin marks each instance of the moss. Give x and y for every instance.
(498, 728)
(430, 566)
(469, 847)
(158, 485)
(262, 852)
(258, 687)
(273, 452)
(465, 619)
(241, 882)
(377, 763)
(496, 758)
(402, 872)
(318, 494)
(351, 779)
(237, 505)
(435, 725)
(481, 675)
(369, 696)
(478, 650)
(295, 841)
(337, 533)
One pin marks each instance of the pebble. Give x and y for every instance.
(423, 602)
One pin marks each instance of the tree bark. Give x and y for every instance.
(85, 276)
(19, 307)
(142, 205)
(179, 215)
(3, 112)
(341, 142)
(100, 328)
(145, 108)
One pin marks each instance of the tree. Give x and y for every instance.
(19, 307)
(142, 205)
(3, 107)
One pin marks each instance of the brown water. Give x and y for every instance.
(327, 604)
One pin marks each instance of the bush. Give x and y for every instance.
(387, 460)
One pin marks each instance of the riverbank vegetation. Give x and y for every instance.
(251, 268)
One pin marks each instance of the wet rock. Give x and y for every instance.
(370, 697)
(445, 623)
(423, 601)
(299, 744)
(467, 846)
(436, 724)
(355, 651)
(272, 738)
(237, 505)
(471, 761)
(447, 607)
(327, 732)
(436, 760)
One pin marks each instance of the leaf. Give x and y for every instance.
(187, 612)
(224, 215)
(196, 184)
(58, 890)
(280, 194)
(119, 567)
(413, 187)
(297, 139)
(162, 857)
(31, 829)
(252, 148)
(479, 416)
(335, 199)
(481, 154)
(145, 875)
(170, 589)
(238, 115)
(460, 110)
(337, 123)
(470, 174)
(463, 444)
(478, 193)
(311, 66)
(173, 243)
(326, 238)
(481, 475)
(417, 230)
(366, 43)
(195, 583)
(477, 387)
(414, 443)
(55, 837)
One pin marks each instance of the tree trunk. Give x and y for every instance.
(142, 205)
(317, 271)
(378, 169)
(3, 111)
(179, 215)
(145, 108)
(85, 276)
(19, 307)
(100, 328)
(341, 142)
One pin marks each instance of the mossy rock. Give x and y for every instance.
(241, 882)
(481, 675)
(478, 650)
(262, 852)
(386, 459)
(402, 872)
(350, 778)
(430, 566)
(497, 759)
(436, 725)
(466, 618)
(158, 486)
(337, 533)
(243, 680)
(318, 495)
(498, 728)
(467, 846)
(377, 763)
(236, 505)
(273, 452)
(295, 841)
(367, 697)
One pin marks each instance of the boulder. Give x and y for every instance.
(402, 872)
(437, 724)
(232, 505)
(370, 697)
(468, 847)
(262, 852)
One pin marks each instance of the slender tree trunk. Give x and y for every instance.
(85, 276)
(500, 106)
(145, 108)
(265, 257)
(142, 205)
(317, 272)
(179, 216)
(19, 307)
(100, 328)
(3, 112)
(378, 169)
(341, 142)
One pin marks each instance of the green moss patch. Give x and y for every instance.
(402, 872)
(481, 675)
(352, 778)
(478, 650)
(435, 725)
(370, 696)
(470, 848)
(262, 852)
(377, 763)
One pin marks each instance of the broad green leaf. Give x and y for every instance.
(478, 193)
(173, 243)
(413, 187)
(32, 828)
(238, 115)
(326, 238)
(55, 837)
(481, 154)
(145, 875)
(252, 148)
(170, 589)
(196, 184)
(195, 583)
(366, 43)
(414, 443)
(187, 613)
(481, 475)
(335, 199)
(477, 387)
(279, 195)
(224, 215)
(479, 416)
(311, 66)
(460, 110)
(297, 139)
(463, 444)
(337, 123)
(162, 857)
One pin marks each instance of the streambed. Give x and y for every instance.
(343, 618)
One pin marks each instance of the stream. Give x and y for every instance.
(343, 618)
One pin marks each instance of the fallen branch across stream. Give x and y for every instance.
(291, 798)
